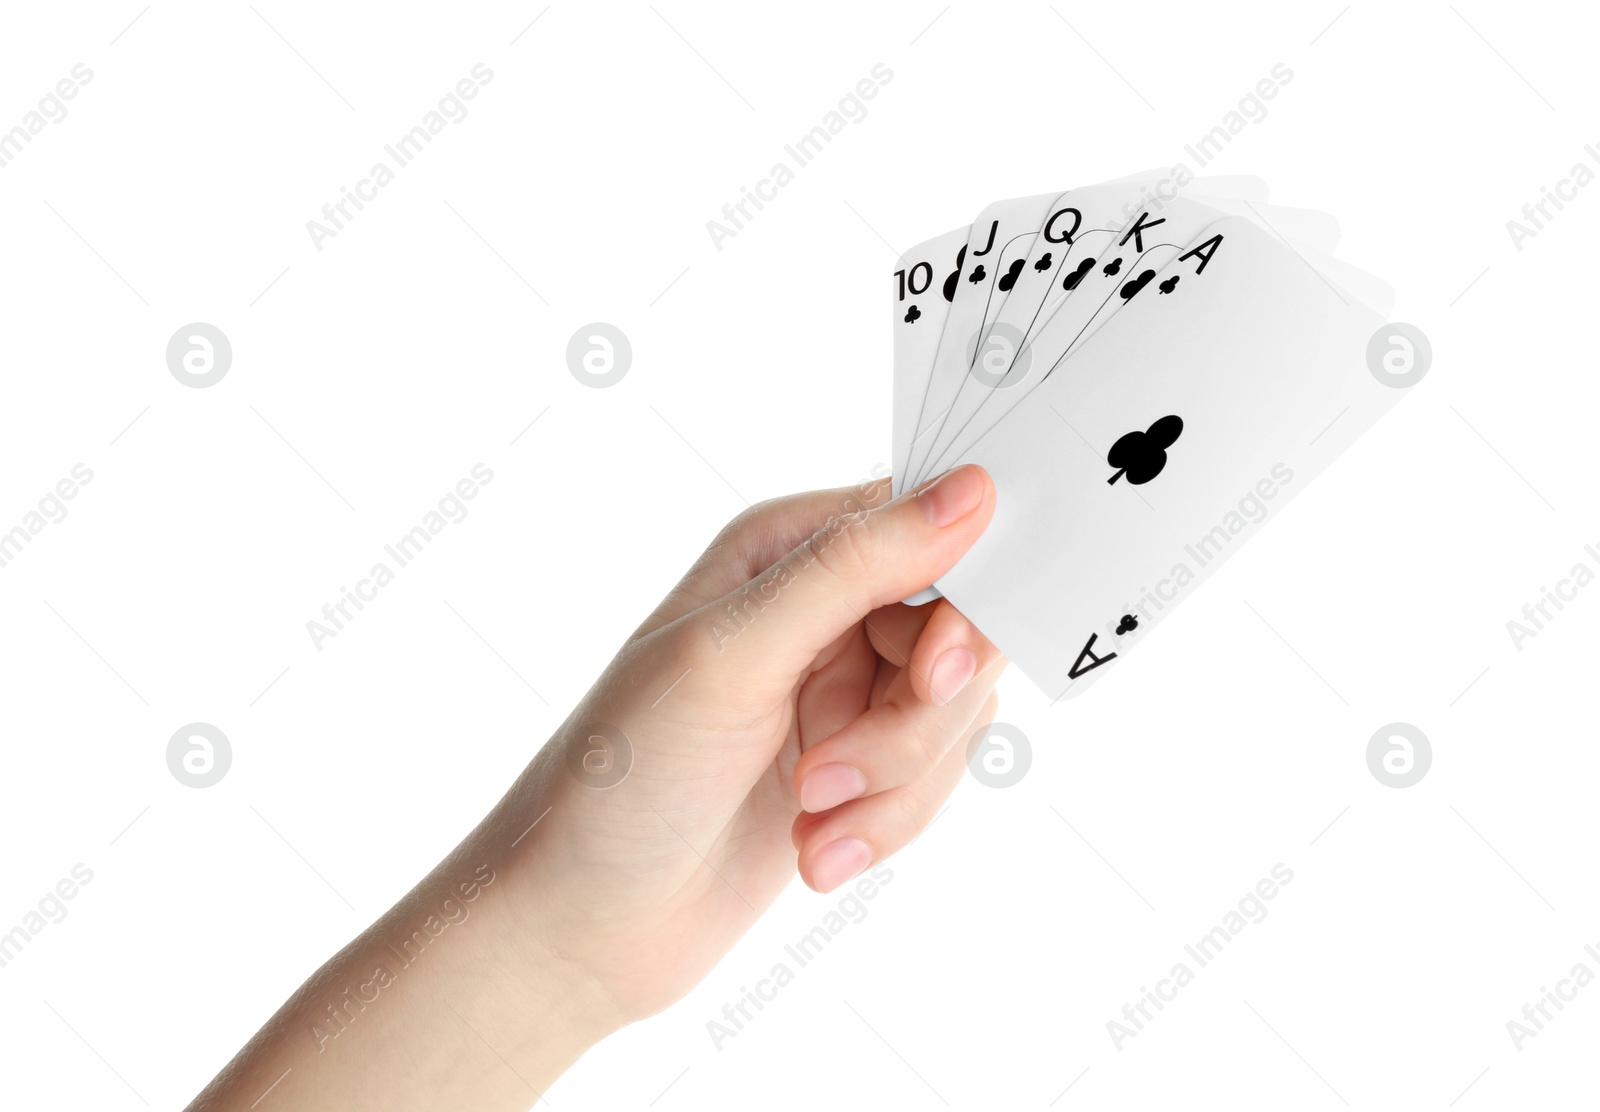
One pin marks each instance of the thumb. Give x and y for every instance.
(854, 564)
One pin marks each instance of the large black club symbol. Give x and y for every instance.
(1141, 455)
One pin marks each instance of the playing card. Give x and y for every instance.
(920, 309)
(1188, 420)
(1099, 273)
(919, 324)
(974, 297)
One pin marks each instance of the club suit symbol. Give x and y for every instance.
(912, 314)
(949, 287)
(1127, 625)
(1071, 281)
(1142, 455)
(1132, 287)
(1009, 278)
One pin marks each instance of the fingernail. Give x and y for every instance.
(830, 785)
(952, 496)
(839, 861)
(951, 672)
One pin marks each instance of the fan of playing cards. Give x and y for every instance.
(1143, 375)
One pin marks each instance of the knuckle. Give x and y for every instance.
(768, 508)
(911, 808)
(745, 522)
(761, 533)
(662, 656)
(697, 644)
(846, 546)
(927, 741)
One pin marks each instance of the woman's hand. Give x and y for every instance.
(781, 709)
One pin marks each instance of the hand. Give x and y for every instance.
(782, 708)
(779, 710)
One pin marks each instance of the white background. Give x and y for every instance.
(371, 375)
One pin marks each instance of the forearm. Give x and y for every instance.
(449, 1000)
(666, 814)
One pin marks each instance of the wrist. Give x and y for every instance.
(452, 991)
(536, 1006)
(540, 925)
